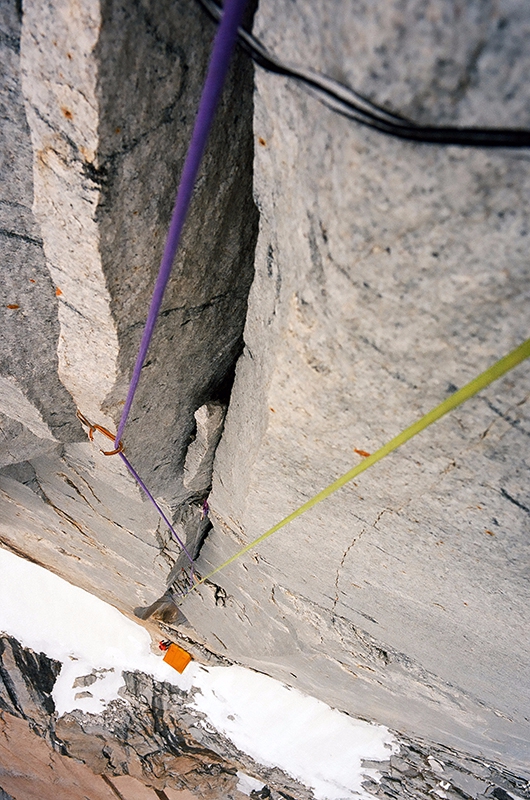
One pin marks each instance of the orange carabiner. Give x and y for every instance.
(92, 426)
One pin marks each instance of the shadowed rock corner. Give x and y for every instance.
(74, 304)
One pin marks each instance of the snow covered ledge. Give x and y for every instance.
(277, 726)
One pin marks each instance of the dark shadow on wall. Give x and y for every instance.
(153, 59)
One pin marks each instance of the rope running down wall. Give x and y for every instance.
(360, 109)
(500, 368)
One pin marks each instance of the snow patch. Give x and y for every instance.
(246, 784)
(279, 726)
(50, 615)
(276, 725)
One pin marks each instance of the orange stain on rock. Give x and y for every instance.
(362, 453)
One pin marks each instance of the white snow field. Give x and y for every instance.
(274, 724)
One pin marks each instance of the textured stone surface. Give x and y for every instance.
(96, 141)
(26, 683)
(97, 106)
(199, 459)
(35, 408)
(30, 770)
(152, 739)
(154, 736)
(387, 273)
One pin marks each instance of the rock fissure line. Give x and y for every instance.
(515, 423)
(341, 565)
(515, 502)
(97, 511)
(62, 514)
(375, 653)
(21, 236)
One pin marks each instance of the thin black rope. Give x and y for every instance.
(360, 109)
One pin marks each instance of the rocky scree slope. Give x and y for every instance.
(150, 735)
(153, 736)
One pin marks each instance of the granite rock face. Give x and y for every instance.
(98, 101)
(26, 683)
(386, 274)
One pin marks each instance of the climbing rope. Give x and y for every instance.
(92, 428)
(211, 93)
(355, 106)
(494, 372)
(217, 69)
(358, 108)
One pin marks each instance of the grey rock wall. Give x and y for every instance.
(26, 683)
(98, 106)
(35, 404)
(387, 274)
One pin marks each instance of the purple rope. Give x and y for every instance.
(222, 50)
(142, 485)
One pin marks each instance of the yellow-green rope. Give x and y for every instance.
(498, 369)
